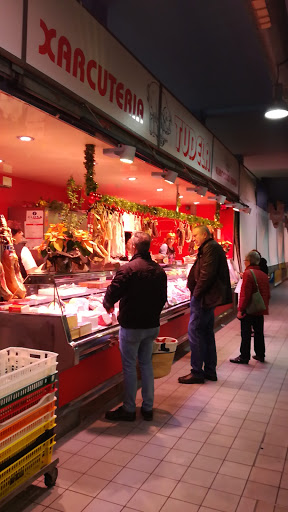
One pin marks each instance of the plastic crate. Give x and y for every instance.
(24, 442)
(20, 393)
(26, 467)
(20, 367)
(31, 400)
(45, 406)
(42, 423)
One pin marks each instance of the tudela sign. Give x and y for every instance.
(67, 44)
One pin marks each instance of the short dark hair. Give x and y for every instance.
(141, 241)
(203, 229)
(14, 231)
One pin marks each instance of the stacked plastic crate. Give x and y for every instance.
(27, 414)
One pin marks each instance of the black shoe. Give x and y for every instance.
(261, 359)
(210, 376)
(191, 379)
(147, 415)
(239, 360)
(120, 415)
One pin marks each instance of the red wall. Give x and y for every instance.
(28, 191)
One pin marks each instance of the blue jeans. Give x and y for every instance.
(133, 343)
(201, 338)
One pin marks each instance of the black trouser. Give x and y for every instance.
(257, 322)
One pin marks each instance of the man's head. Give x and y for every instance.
(200, 235)
(141, 242)
(252, 258)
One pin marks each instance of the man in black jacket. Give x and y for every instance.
(141, 287)
(209, 283)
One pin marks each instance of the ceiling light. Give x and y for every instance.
(196, 202)
(237, 207)
(1, 161)
(180, 197)
(132, 179)
(199, 190)
(169, 176)
(220, 199)
(278, 109)
(159, 189)
(125, 153)
(25, 138)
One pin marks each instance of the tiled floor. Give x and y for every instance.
(221, 446)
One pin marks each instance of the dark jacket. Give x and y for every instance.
(141, 287)
(263, 265)
(249, 286)
(209, 278)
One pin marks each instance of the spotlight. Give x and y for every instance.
(125, 153)
(220, 199)
(25, 138)
(199, 190)
(169, 176)
(278, 109)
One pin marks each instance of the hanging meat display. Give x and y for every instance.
(10, 275)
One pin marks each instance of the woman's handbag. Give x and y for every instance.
(256, 304)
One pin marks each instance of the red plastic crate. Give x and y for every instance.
(26, 402)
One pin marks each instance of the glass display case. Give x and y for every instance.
(66, 310)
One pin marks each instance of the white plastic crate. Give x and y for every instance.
(22, 366)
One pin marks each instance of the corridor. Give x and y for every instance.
(219, 446)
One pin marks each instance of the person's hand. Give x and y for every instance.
(240, 315)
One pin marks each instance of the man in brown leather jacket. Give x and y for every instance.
(209, 283)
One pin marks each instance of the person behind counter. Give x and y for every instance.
(26, 261)
(167, 248)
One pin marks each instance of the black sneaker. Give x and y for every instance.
(261, 359)
(147, 415)
(120, 415)
(210, 376)
(239, 360)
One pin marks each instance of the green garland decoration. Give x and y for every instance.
(90, 184)
(128, 206)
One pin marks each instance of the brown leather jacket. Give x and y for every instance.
(209, 278)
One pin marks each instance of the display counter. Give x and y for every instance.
(64, 314)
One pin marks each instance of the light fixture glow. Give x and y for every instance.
(159, 189)
(196, 202)
(132, 178)
(1, 161)
(279, 108)
(181, 197)
(25, 138)
(126, 160)
(170, 176)
(236, 209)
(125, 153)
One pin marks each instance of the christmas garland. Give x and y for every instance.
(90, 183)
(154, 211)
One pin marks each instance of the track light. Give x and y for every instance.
(278, 109)
(199, 190)
(170, 176)
(220, 199)
(125, 153)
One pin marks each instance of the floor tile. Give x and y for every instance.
(93, 451)
(226, 430)
(242, 457)
(170, 470)
(131, 477)
(198, 477)
(162, 439)
(173, 430)
(235, 469)
(106, 440)
(220, 440)
(82, 464)
(117, 493)
(284, 481)
(282, 498)
(189, 492)
(117, 457)
(172, 505)
(104, 470)
(211, 450)
(62, 456)
(188, 446)
(261, 492)
(72, 501)
(130, 445)
(195, 435)
(66, 477)
(154, 451)
(206, 463)
(225, 482)
(179, 457)
(159, 485)
(264, 507)
(140, 463)
(223, 501)
(246, 444)
(147, 501)
(204, 426)
(246, 505)
(88, 484)
(273, 451)
(269, 463)
(102, 506)
(265, 476)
